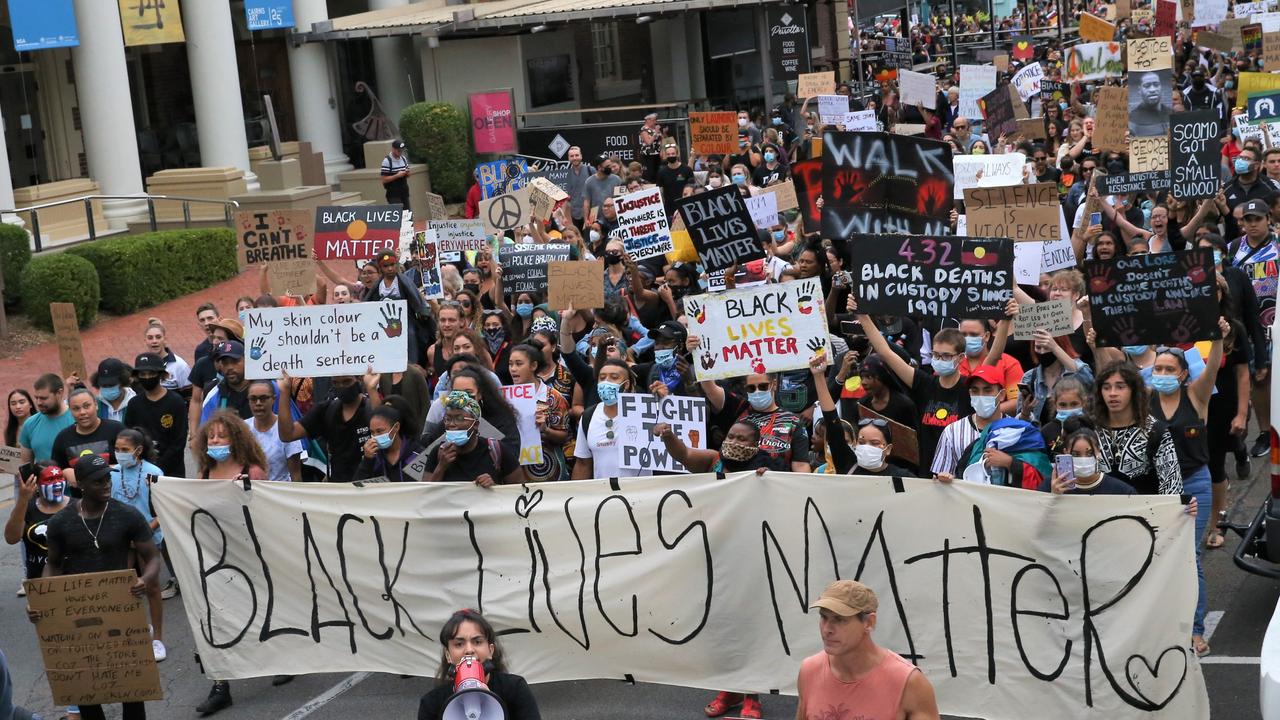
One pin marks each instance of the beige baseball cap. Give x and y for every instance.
(847, 598)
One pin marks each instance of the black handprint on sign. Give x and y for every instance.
(708, 360)
(1126, 330)
(816, 345)
(391, 315)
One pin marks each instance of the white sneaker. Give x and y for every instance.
(157, 647)
(169, 590)
(22, 590)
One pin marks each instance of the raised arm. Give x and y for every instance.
(714, 393)
(900, 367)
(286, 428)
(1202, 387)
(1003, 328)
(694, 459)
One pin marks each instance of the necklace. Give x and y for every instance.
(137, 482)
(94, 533)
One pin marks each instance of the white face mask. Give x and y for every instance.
(869, 456)
(1084, 466)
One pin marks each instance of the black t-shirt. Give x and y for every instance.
(116, 529)
(1108, 485)
(203, 372)
(900, 409)
(937, 408)
(343, 438)
(763, 176)
(477, 462)
(512, 690)
(165, 421)
(672, 181)
(230, 398)
(35, 538)
(69, 445)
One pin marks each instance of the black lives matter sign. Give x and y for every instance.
(721, 228)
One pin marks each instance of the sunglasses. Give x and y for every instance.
(1175, 351)
(754, 388)
(874, 422)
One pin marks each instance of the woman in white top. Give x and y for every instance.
(179, 378)
(284, 459)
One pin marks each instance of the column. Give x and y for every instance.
(314, 105)
(6, 181)
(215, 86)
(102, 84)
(392, 62)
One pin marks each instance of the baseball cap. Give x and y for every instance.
(397, 144)
(148, 362)
(231, 325)
(230, 349)
(111, 372)
(91, 467)
(988, 374)
(1255, 207)
(847, 598)
(669, 330)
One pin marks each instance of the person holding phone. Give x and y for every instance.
(1084, 474)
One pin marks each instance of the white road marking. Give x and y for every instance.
(1228, 660)
(323, 698)
(1211, 620)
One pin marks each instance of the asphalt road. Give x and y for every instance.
(1245, 603)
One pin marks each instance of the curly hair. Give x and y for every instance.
(244, 447)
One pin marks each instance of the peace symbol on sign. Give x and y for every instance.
(504, 212)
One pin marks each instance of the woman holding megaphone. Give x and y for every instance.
(471, 649)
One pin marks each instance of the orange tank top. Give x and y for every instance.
(875, 696)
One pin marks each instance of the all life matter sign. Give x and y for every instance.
(721, 228)
(935, 276)
(1195, 153)
(356, 232)
(326, 340)
(1157, 298)
(761, 329)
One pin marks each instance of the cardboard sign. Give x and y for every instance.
(1148, 153)
(1271, 51)
(714, 133)
(1094, 61)
(1195, 154)
(356, 232)
(272, 236)
(987, 171)
(579, 283)
(975, 82)
(1210, 12)
(786, 194)
(524, 265)
(764, 210)
(1161, 298)
(938, 276)
(765, 328)
(506, 212)
(1112, 123)
(1149, 181)
(544, 197)
(810, 85)
(1020, 212)
(1032, 129)
(524, 401)
(642, 224)
(721, 228)
(66, 330)
(1053, 316)
(459, 235)
(435, 208)
(1001, 62)
(638, 413)
(1153, 53)
(918, 88)
(1027, 80)
(94, 638)
(1251, 37)
(292, 277)
(502, 176)
(326, 340)
(876, 182)
(11, 461)
(1214, 41)
(906, 443)
(1095, 29)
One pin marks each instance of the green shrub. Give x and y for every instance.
(60, 277)
(438, 134)
(138, 271)
(15, 253)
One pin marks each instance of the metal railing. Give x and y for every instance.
(87, 200)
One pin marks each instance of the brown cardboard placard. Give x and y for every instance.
(1153, 53)
(544, 197)
(714, 133)
(1214, 41)
(1021, 212)
(906, 446)
(1188, 12)
(580, 282)
(1031, 129)
(1095, 29)
(809, 85)
(292, 277)
(786, 192)
(1121, 10)
(1052, 315)
(1001, 62)
(11, 460)
(435, 208)
(1148, 153)
(94, 638)
(67, 331)
(1112, 123)
(267, 236)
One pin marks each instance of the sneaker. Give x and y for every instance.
(279, 680)
(169, 590)
(1243, 469)
(157, 647)
(1261, 446)
(219, 698)
(750, 707)
(22, 589)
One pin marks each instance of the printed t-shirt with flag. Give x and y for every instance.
(783, 437)
(939, 407)
(1262, 266)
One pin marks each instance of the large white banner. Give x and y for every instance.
(767, 328)
(1078, 607)
(326, 340)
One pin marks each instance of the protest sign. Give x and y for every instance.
(975, 82)
(356, 232)
(524, 401)
(435, 207)
(714, 133)
(832, 109)
(642, 224)
(1195, 154)
(896, 53)
(1032, 258)
(1271, 51)
(764, 210)
(428, 249)
(1111, 126)
(524, 265)
(1149, 108)
(506, 212)
(1001, 62)
(1166, 18)
(1148, 181)
(1214, 41)
(809, 85)
(1251, 37)
(876, 182)
(1030, 129)
(579, 283)
(1210, 12)
(326, 340)
(703, 558)
(66, 330)
(1256, 82)
(1053, 316)
(721, 228)
(1248, 9)
(502, 176)
(1094, 61)
(280, 239)
(1020, 212)
(1027, 80)
(766, 328)
(94, 638)
(11, 461)
(1095, 29)
(861, 121)
(544, 197)
(1263, 106)
(1148, 153)
(493, 121)
(987, 171)
(906, 443)
(998, 110)
(638, 413)
(786, 194)
(1153, 53)
(459, 235)
(918, 88)
(1159, 298)
(943, 277)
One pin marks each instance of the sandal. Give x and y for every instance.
(723, 702)
(1200, 646)
(1215, 540)
(750, 708)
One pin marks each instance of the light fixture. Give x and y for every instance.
(539, 28)
(472, 699)
(644, 19)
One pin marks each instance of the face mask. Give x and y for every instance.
(149, 384)
(612, 258)
(1062, 106)
(869, 456)
(770, 157)
(972, 344)
(1084, 466)
(1217, 257)
(777, 121)
(457, 437)
(739, 179)
(1198, 82)
(473, 287)
(944, 367)
(383, 440)
(760, 399)
(219, 452)
(715, 182)
(735, 451)
(979, 150)
(494, 337)
(1241, 166)
(349, 393)
(673, 161)
(983, 405)
(595, 236)
(1135, 350)
(606, 170)
(110, 393)
(779, 235)
(128, 461)
(1230, 84)
(608, 392)
(1063, 415)
(53, 492)
(524, 309)
(1165, 384)
(665, 359)
(742, 122)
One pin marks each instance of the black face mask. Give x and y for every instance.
(606, 170)
(348, 394)
(149, 384)
(612, 258)
(673, 161)
(1046, 359)
(473, 287)
(678, 291)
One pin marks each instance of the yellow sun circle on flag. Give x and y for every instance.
(357, 229)
(941, 414)
(979, 252)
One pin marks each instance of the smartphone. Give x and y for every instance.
(1062, 463)
(842, 279)
(1095, 219)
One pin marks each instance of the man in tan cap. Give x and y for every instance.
(853, 675)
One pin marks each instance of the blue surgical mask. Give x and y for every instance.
(608, 392)
(1230, 84)
(739, 179)
(972, 344)
(110, 393)
(770, 157)
(383, 440)
(1062, 105)
(128, 461)
(524, 309)
(1166, 384)
(1241, 166)
(1062, 415)
(944, 367)
(1217, 257)
(983, 405)
(777, 121)
(779, 235)
(665, 359)
(760, 399)
(219, 452)
(457, 437)
(1135, 350)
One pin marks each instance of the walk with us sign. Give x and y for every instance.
(1006, 599)
(766, 328)
(877, 182)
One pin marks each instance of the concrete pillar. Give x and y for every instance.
(315, 105)
(6, 181)
(393, 61)
(215, 86)
(102, 84)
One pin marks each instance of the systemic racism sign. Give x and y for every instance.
(1007, 599)
(881, 183)
(767, 328)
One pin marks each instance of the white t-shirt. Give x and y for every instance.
(179, 374)
(600, 448)
(277, 452)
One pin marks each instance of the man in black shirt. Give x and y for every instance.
(342, 422)
(232, 391)
(673, 176)
(161, 412)
(205, 315)
(1044, 171)
(203, 371)
(89, 436)
(395, 175)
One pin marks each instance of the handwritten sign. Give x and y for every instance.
(638, 413)
(459, 235)
(272, 236)
(1256, 82)
(1251, 37)
(1148, 181)
(576, 282)
(66, 330)
(524, 401)
(356, 232)
(94, 638)
(1214, 41)
(1195, 154)
(1153, 53)
(1166, 18)
(428, 249)
(918, 88)
(764, 210)
(326, 340)
(944, 277)
(1158, 298)
(11, 460)
(1053, 316)
(975, 81)
(987, 171)
(435, 207)
(766, 328)
(1094, 61)
(721, 228)
(1111, 127)
(544, 197)
(714, 133)
(832, 109)
(1271, 51)
(524, 265)
(642, 224)
(1000, 111)
(1027, 80)
(1021, 212)
(1148, 153)
(786, 195)
(1095, 29)
(866, 178)
(1210, 12)
(814, 84)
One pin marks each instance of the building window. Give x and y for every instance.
(606, 50)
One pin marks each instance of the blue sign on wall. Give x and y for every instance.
(268, 14)
(43, 24)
